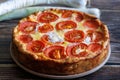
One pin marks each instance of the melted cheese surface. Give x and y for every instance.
(58, 35)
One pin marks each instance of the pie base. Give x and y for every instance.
(54, 68)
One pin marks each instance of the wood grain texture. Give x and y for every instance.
(106, 4)
(111, 71)
(15, 73)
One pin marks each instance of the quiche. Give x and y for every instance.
(61, 41)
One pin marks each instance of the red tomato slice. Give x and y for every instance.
(74, 36)
(77, 50)
(35, 46)
(45, 28)
(95, 36)
(66, 14)
(94, 47)
(66, 25)
(79, 17)
(25, 38)
(47, 17)
(92, 24)
(45, 38)
(27, 26)
(55, 52)
(99, 36)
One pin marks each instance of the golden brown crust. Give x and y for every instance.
(51, 67)
(66, 66)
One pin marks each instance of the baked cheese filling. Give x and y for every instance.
(54, 37)
(61, 34)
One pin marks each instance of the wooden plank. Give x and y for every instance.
(105, 73)
(112, 20)
(111, 71)
(106, 4)
(13, 72)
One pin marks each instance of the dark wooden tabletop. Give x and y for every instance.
(110, 71)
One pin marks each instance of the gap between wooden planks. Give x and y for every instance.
(14, 65)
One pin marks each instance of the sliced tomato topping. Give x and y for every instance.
(35, 46)
(27, 26)
(98, 36)
(94, 47)
(45, 38)
(66, 25)
(25, 38)
(79, 17)
(83, 54)
(78, 50)
(74, 36)
(55, 52)
(47, 17)
(66, 14)
(91, 24)
(95, 36)
(45, 28)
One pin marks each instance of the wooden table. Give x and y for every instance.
(110, 71)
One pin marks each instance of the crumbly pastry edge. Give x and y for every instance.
(51, 67)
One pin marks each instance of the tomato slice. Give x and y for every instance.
(94, 47)
(91, 24)
(47, 17)
(66, 14)
(79, 17)
(99, 36)
(66, 25)
(78, 50)
(55, 52)
(25, 38)
(45, 38)
(74, 36)
(45, 28)
(27, 26)
(35, 46)
(95, 36)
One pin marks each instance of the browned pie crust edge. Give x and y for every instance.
(51, 67)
